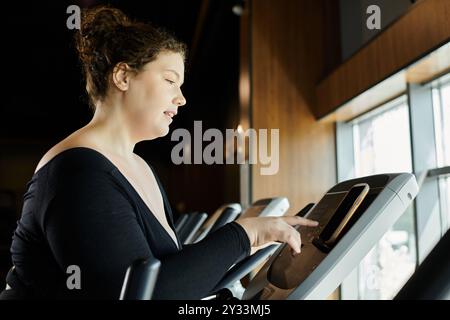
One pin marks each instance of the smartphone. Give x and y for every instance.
(344, 212)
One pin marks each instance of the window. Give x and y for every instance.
(409, 132)
(382, 140)
(382, 144)
(441, 110)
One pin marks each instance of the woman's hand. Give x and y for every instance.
(262, 230)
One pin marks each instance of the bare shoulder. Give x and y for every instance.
(49, 155)
(71, 141)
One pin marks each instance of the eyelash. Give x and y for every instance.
(170, 81)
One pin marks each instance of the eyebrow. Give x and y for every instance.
(176, 73)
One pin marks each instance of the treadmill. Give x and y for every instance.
(225, 214)
(353, 215)
(267, 207)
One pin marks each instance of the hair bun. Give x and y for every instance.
(98, 26)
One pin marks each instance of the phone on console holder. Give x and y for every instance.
(344, 212)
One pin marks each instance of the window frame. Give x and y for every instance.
(429, 215)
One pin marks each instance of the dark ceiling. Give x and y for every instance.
(44, 96)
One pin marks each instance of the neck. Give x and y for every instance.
(110, 131)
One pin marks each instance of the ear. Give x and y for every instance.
(121, 76)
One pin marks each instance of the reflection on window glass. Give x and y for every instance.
(382, 145)
(441, 108)
(445, 94)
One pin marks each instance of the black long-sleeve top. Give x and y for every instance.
(80, 210)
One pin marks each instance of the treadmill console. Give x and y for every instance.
(352, 216)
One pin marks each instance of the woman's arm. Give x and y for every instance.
(90, 223)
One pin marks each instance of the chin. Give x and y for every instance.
(164, 131)
(157, 132)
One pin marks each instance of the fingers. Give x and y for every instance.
(261, 230)
(293, 239)
(295, 220)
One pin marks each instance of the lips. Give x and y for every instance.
(171, 114)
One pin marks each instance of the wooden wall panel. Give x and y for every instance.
(287, 59)
(421, 29)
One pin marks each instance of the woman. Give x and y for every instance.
(94, 204)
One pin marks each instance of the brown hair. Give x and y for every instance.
(107, 37)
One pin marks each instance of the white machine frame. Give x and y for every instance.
(382, 213)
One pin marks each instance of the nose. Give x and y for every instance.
(180, 100)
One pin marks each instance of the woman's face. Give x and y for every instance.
(154, 96)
